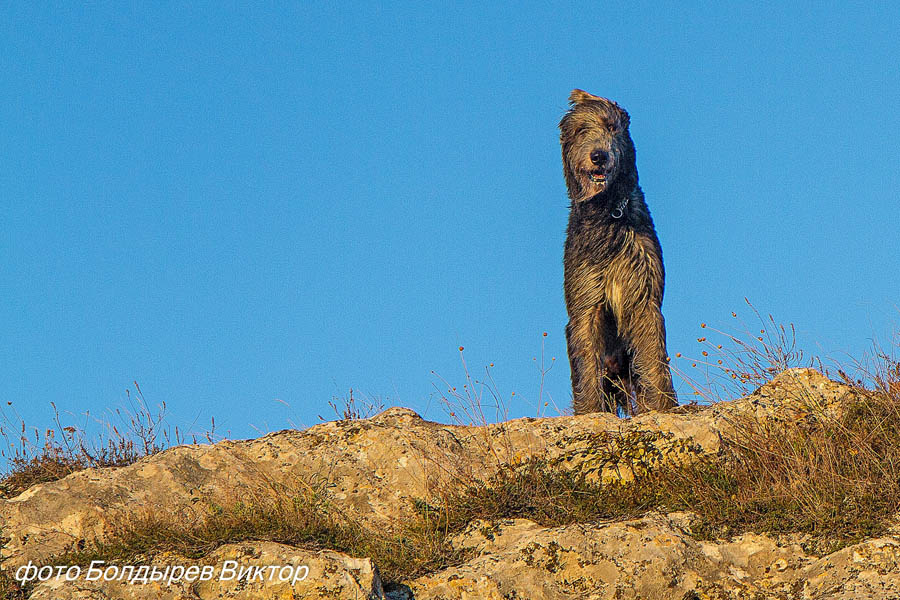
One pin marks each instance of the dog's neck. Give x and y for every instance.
(615, 203)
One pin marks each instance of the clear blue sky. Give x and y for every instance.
(235, 206)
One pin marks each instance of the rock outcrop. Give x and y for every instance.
(656, 558)
(376, 468)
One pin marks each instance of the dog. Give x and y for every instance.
(614, 275)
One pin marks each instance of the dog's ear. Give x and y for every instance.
(578, 96)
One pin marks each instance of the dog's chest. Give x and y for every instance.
(610, 270)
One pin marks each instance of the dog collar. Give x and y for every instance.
(619, 211)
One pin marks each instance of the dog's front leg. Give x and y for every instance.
(646, 331)
(590, 337)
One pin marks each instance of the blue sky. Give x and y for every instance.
(235, 206)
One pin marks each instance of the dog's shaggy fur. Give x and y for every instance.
(614, 273)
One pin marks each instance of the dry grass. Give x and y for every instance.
(10, 588)
(479, 401)
(130, 433)
(831, 474)
(300, 516)
(734, 362)
(834, 476)
(354, 408)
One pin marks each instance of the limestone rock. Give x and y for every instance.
(373, 470)
(648, 558)
(655, 558)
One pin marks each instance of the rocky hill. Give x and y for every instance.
(376, 476)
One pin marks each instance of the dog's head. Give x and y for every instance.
(597, 151)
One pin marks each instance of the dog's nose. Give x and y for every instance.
(599, 157)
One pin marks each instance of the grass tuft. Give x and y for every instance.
(132, 432)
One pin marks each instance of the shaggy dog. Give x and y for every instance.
(614, 273)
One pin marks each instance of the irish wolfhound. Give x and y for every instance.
(613, 267)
